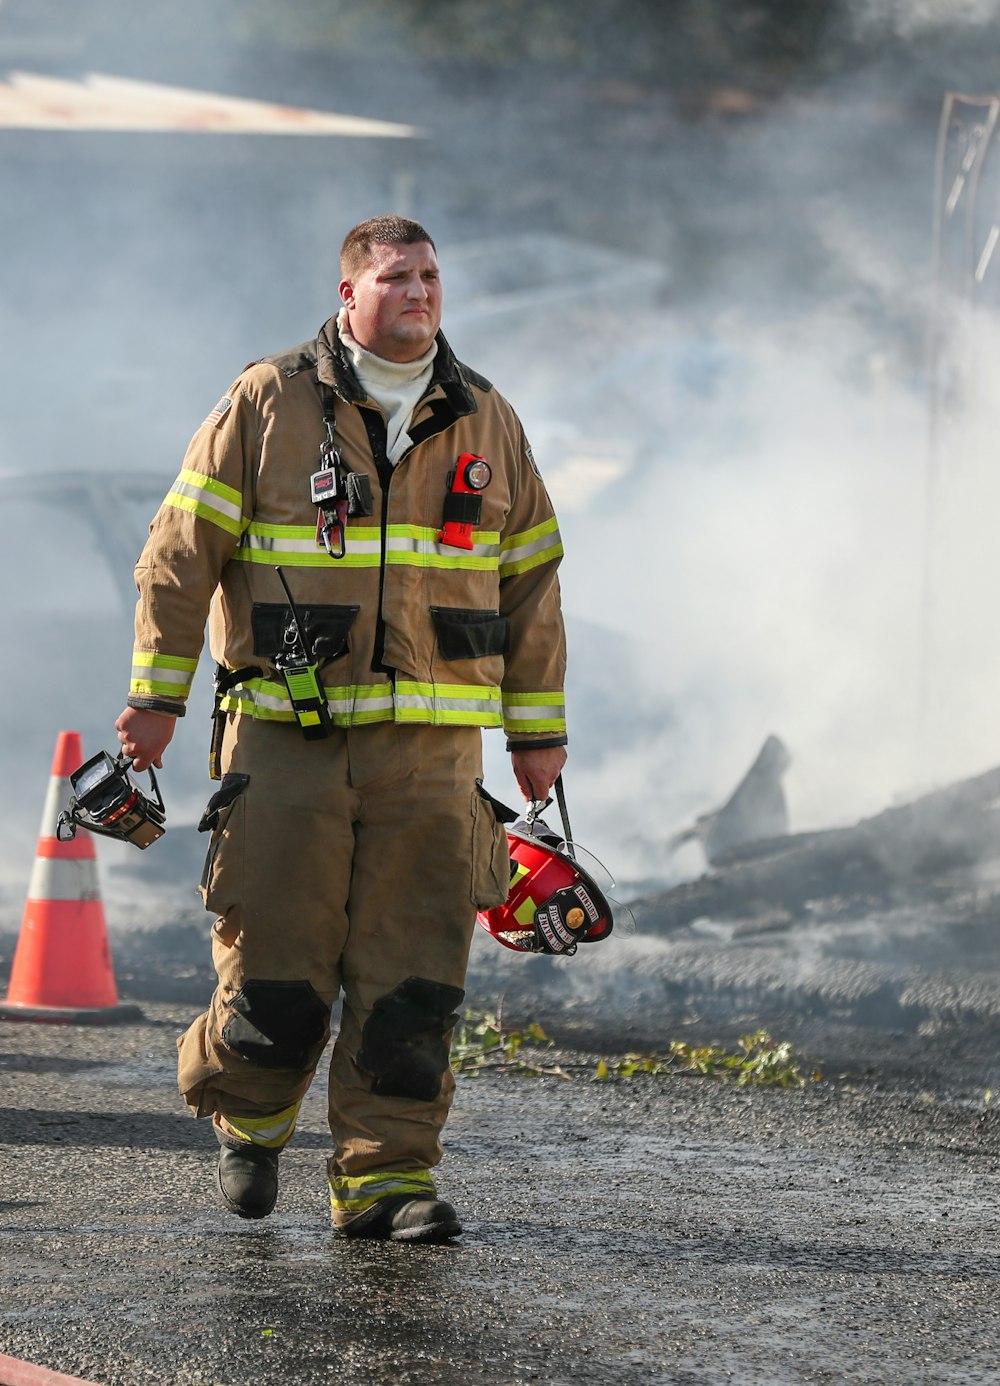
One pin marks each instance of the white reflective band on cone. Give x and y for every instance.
(54, 878)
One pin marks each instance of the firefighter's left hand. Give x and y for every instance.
(537, 771)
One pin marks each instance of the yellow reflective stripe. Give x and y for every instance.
(350, 705)
(357, 1194)
(198, 481)
(534, 712)
(409, 545)
(417, 546)
(261, 533)
(525, 913)
(313, 557)
(433, 704)
(485, 539)
(526, 723)
(273, 1131)
(158, 688)
(159, 674)
(448, 704)
(208, 499)
(296, 546)
(448, 717)
(164, 661)
(530, 548)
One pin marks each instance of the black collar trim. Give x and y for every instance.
(328, 357)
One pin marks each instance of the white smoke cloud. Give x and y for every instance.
(766, 546)
(910, 19)
(771, 578)
(740, 470)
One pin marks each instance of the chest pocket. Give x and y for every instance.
(466, 634)
(327, 628)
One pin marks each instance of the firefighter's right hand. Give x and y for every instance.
(144, 736)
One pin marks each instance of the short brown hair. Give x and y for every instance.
(356, 252)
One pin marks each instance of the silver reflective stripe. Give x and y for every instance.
(157, 673)
(341, 702)
(430, 703)
(355, 1195)
(269, 542)
(271, 701)
(380, 1185)
(534, 713)
(428, 547)
(281, 543)
(268, 1131)
(512, 556)
(345, 706)
(201, 495)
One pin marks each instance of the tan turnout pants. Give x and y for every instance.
(353, 864)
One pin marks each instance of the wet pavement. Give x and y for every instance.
(674, 1230)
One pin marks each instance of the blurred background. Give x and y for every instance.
(706, 250)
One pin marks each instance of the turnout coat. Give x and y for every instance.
(407, 628)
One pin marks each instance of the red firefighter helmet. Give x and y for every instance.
(555, 902)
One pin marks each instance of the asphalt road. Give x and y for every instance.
(651, 1230)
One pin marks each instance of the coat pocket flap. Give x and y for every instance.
(327, 627)
(466, 634)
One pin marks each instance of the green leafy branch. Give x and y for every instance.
(756, 1061)
(482, 1041)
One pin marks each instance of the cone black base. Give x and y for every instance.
(72, 1015)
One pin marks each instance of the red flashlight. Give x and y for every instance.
(463, 504)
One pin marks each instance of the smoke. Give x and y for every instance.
(714, 330)
(759, 536)
(909, 19)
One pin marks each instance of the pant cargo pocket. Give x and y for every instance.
(490, 856)
(221, 884)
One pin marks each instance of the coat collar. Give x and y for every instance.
(334, 368)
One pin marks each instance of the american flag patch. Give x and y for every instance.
(220, 411)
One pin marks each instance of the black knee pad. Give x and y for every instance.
(403, 1041)
(277, 1024)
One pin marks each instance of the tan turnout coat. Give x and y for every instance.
(409, 629)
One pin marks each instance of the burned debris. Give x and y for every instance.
(926, 851)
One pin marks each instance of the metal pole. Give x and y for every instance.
(962, 192)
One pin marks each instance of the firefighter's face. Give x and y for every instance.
(394, 304)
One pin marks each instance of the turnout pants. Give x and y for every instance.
(351, 865)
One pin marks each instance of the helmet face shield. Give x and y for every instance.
(557, 898)
(621, 917)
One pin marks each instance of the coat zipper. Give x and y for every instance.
(375, 427)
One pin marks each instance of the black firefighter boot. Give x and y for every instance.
(405, 1219)
(247, 1176)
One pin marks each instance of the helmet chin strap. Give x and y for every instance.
(538, 806)
(564, 815)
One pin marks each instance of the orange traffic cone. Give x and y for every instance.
(62, 969)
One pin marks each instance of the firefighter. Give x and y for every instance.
(363, 525)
